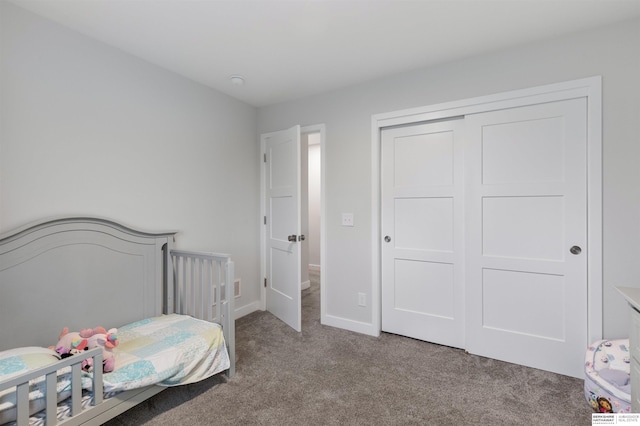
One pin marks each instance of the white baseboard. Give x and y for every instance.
(305, 285)
(351, 325)
(314, 267)
(246, 309)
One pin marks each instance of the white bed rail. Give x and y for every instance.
(50, 375)
(203, 287)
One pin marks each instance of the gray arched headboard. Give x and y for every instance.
(79, 272)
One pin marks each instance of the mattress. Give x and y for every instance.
(168, 350)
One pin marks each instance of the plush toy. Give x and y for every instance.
(68, 342)
(71, 343)
(88, 332)
(107, 340)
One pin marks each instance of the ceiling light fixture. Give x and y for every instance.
(237, 80)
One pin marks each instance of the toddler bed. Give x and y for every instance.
(173, 310)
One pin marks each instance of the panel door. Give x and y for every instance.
(422, 220)
(282, 201)
(526, 235)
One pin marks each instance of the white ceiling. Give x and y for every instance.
(292, 49)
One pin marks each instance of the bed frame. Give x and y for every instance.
(84, 272)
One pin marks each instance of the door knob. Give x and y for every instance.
(301, 238)
(575, 250)
(292, 238)
(387, 239)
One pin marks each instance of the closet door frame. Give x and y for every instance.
(589, 88)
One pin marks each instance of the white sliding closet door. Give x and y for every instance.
(422, 219)
(526, 215)
(484, 227)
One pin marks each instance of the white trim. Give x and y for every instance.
(351, 325)
(591, 88)
(552, 92)
(247, 309)
(305, 285)
(376, 206)
(594, 208)
(313, 267)
(263, 214)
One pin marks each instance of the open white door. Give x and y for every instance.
(282, 237)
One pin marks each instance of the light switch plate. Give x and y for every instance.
(347, 219)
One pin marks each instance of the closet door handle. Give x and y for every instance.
(292, 238)
(387, 239)
(575, 250)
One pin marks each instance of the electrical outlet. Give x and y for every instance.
(362, 299)
(347, 219)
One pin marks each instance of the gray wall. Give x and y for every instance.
(613, 52)
(86, 129)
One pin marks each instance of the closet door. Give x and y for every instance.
(422, 221)
(526, 214)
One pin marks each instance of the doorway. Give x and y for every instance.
(313, 137)
(288, 230)
(310, 206)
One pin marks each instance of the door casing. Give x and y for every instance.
(591, 88)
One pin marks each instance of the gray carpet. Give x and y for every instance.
(328, 376)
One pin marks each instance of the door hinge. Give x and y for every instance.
(265, 282)
(265, 157)
(265, 220)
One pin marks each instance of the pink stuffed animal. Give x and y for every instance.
(71, 344)
(88, 332)
(107, 340)
(89, 338)
(68, 342)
